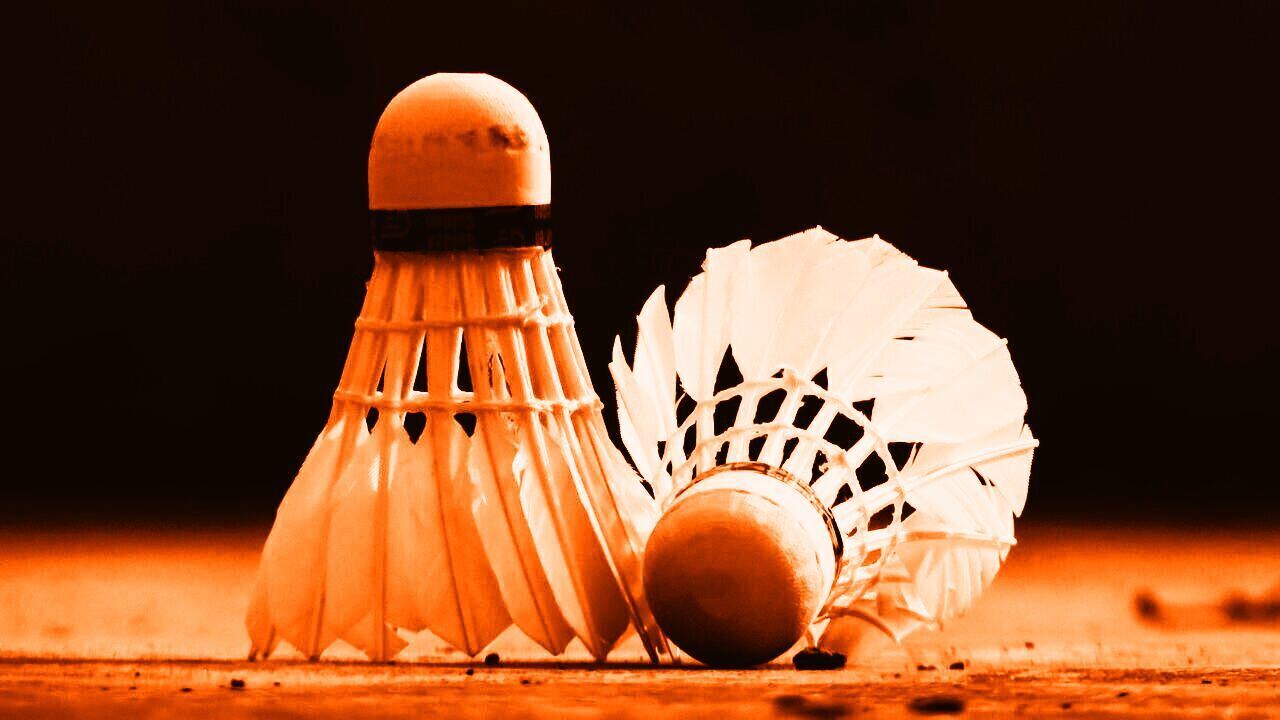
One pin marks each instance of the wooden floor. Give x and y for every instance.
(148, 623)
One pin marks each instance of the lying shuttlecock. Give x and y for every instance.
(864, 470)
(511, 505)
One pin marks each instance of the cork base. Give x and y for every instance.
(737, 569)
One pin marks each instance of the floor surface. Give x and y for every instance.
(1082, 622)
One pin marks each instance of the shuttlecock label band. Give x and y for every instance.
(452, 229)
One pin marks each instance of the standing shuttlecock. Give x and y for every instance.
(862, 468)
(464, 480)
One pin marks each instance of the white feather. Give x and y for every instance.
(655, 369)
(960, 533)
(639, 421)
(833, 286)
(949, 572)
(1003, 457)
(580, 578)
(965, 397)
(262, 633)
(354, 587)
(438, 576)
(786, 282)
(891, 295)
(626, 514)
(293, 559)
(701, 327)
(508, 540)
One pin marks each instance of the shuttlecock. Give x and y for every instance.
(511, 505)
(864, 470)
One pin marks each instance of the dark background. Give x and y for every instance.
(185, 234)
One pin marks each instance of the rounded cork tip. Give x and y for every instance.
(733, 577)
(459, 140)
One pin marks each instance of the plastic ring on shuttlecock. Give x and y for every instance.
(740, 564)
(455, 229)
